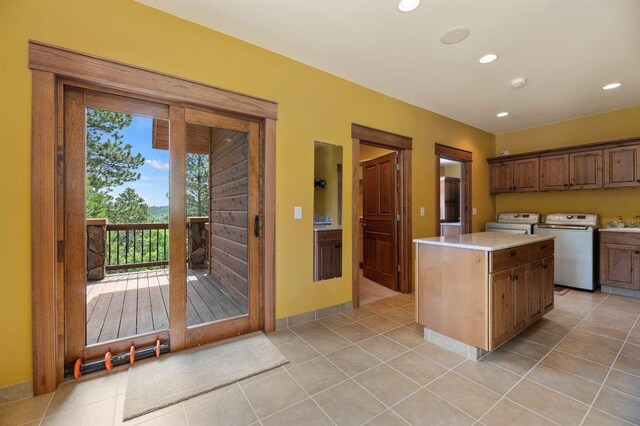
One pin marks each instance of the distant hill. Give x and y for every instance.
(159, 213)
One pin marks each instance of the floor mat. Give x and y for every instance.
(176, 377)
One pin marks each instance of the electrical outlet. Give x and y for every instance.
(297, 212)
(421, 211)
(474, 211)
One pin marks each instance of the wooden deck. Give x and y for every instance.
(128, 304)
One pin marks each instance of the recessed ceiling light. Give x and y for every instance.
(502, 114)
(489, 57)
(611, 86)
(455, 35)
(408, 5)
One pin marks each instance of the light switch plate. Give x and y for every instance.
(297, 212)
(474, 211)
(421, 211)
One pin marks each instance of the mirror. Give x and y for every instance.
(327, 211)
(450, 175)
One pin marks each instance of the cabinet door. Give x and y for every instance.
(585, 170)
(520, 277)
(536, 296)
(548, 283)
(620, 265)
(501, 177)
(526, 175)
(622, 167)
(501, 299)
(554, 173)
(327, 260)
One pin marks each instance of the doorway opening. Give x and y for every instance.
(381, 222)
(453, 191)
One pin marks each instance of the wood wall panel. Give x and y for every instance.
(229, 219)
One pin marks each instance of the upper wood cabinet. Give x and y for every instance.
(514, 176)
(612, 164)
(501, 177)
(554, 173)
(622, 167)
(585, 170)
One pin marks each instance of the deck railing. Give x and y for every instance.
(136, 245)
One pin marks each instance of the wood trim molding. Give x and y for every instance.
(404, 145)
(465, 158)
(453, 153)
(380, 137)
(567, 150)
(43, 231)
(116, 75)
(269, 227)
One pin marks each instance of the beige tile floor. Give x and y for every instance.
(578, 365)
(371, 291)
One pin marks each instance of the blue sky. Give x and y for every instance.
(153, 184)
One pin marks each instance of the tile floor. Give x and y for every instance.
(580, 364)
(371, 291)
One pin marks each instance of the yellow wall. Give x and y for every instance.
(610, 203)
(312, 105)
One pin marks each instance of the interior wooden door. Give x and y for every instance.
(380, 213)
(222, 293)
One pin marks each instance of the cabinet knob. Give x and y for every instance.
(513, 253)
(515, 278)
(566, 185)
(638, 180)
(637, 252)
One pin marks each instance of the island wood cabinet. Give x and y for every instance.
(327, 256)
(483, 298)
(520, 288)
(614, 164)
(620, 259)
(515, 176)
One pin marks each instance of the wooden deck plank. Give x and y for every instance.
(141, 299)
(111, 324)
(95, 323)
(129, 320)
(158, 308)
(199, 304)
(211, 302)
(145, 320)
(226, 300)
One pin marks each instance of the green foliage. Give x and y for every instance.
(128, 207)
(110, 162)
(197, 194)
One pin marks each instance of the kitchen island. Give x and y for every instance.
(476, 291)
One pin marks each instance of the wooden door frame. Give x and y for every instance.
(404, 145)
(53, 68)
(465, 158)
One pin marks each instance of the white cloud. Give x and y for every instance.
(159, 165)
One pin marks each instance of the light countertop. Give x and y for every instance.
(327, 227)
(450, 223)
(633, 230)
(485, 241)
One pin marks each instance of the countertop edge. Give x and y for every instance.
(536, 239)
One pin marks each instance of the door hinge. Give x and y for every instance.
(397, 218)
(60, 251)
(399, 268)
(397, 166)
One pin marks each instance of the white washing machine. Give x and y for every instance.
(575, 248)
(514, 223)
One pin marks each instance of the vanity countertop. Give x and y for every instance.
(485, 241)
(634, 230)
(317, 228)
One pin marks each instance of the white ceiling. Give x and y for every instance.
(567, 49)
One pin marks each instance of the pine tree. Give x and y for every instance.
(197, 185)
